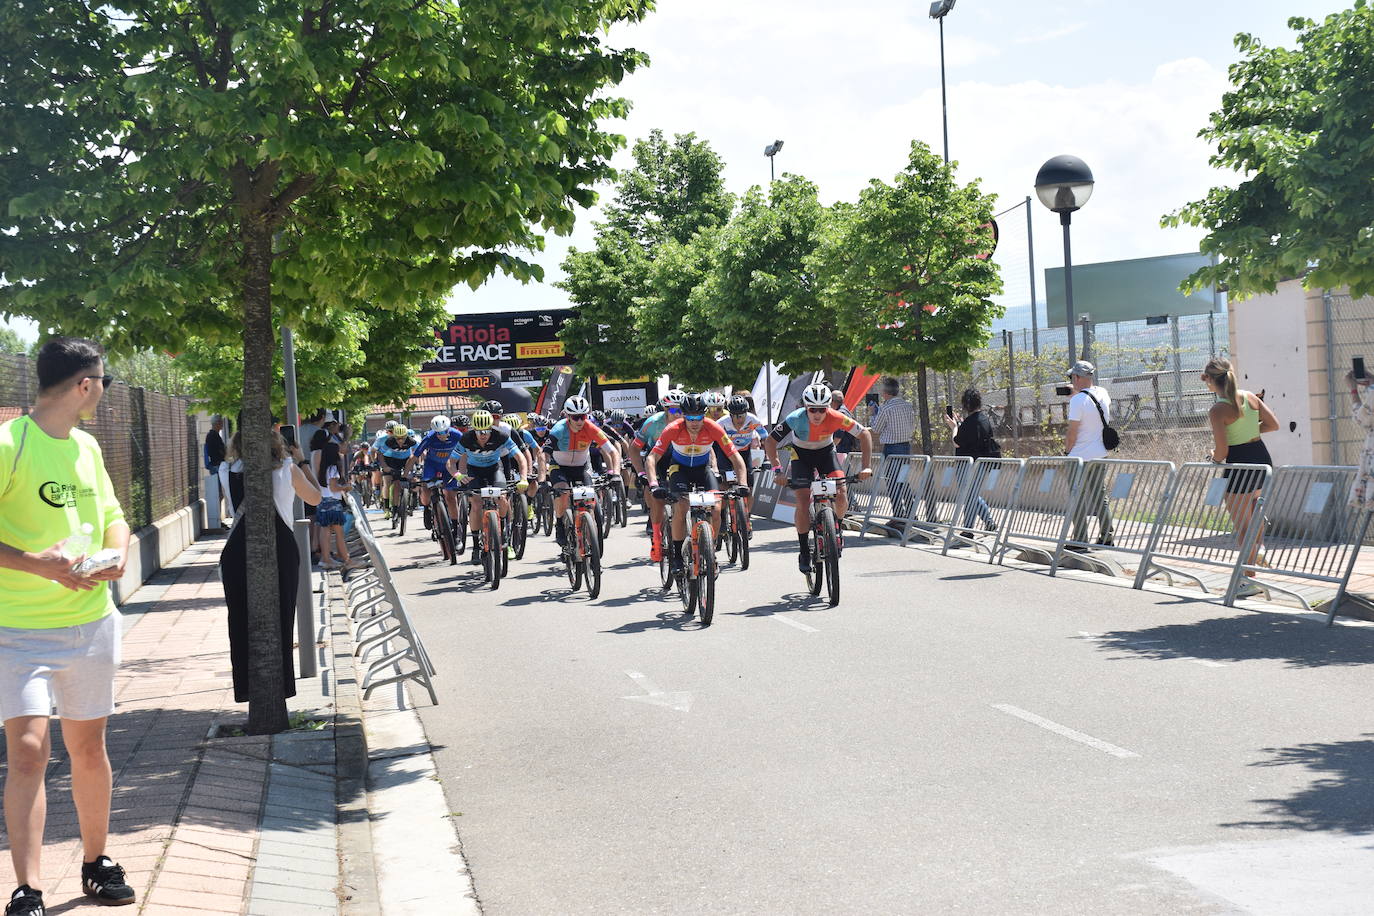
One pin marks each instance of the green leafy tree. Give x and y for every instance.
(1295, 125)
(761, 292)
(155, 371)
(908, 271)
(10, 341)
(179, 170)
(674, 190)
(679, 333)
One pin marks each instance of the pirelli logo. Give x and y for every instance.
(539, 350)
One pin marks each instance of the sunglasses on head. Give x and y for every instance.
(694, 416)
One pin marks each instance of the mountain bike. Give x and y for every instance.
(605, 503)
(488, 538)
(409, 500)
(825, 538)
(516, 527)
(734, 525)
(582, 553)
(543, 509)
(441, 528)
(696, 574)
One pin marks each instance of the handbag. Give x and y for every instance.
(1110, 437)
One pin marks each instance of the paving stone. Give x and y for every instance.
(320, 881)
(304, 896)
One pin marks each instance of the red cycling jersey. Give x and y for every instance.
(692, 451)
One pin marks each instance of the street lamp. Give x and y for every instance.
(770, 151)
(939, 10)
(1064, 184)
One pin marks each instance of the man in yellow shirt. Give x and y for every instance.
(59, 630)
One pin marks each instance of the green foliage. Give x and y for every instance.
(761, 292)
(10, 341)
(674, 191)
(155, 371)
(1296, 127)
(679, 335)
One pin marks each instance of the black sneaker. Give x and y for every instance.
(25, 901)
(804, 563)
(104, 880)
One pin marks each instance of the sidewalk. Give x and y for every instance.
(265, 826)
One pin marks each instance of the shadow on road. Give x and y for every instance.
(652, 593)
(548, 595)
(1340, 799)
(1300, 642)
(668, 620)
(787, 604)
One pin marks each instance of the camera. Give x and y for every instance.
(1063, 391)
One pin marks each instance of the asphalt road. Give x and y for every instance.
(952, 738)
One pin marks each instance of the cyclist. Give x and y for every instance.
(747, 432)
(622, 433)
(480, 451)
(645, 439)
(812, 427)
(462, 422)
(434, 449)
(568, 452)
(374, 449)
(396, 451)
(686, 443)
(715, 405)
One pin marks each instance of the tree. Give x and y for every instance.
(1296, 126)
(674, 190)
(155, 371)
(10, 342)
(761, 292)
(178, 170)
(909, 271)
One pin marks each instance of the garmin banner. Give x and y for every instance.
(498, 342)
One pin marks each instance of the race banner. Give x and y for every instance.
(629, 395)
(522, 376)
(499, 342)
(555, 391)
(471, 384)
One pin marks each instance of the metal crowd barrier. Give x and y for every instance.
(1196, 537)
(1119, 504)
(1308, 546)
(890, 495)
(936, 503)
(987, 502)
(1039, 518)
(374, 592)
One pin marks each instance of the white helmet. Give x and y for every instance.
(577, 405)
(713, 399)
(673, 397)
(816, 396)
(440, 424)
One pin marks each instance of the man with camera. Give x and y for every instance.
(1089, 414)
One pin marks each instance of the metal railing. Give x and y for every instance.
(1118, 506)
(987, 503)
(376, 604)
(889, 495)
(936, 504)
(1200, 535)
(1039, 519)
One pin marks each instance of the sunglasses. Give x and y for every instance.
(105, 380)
(817, 409)
(694, 416)
(579, 417)
(541, 429)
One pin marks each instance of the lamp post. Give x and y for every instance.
(770, 151)
(1064, 184)
(938, 11)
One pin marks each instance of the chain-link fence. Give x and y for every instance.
(151, 444)
(1152, 371)
(1348, 332)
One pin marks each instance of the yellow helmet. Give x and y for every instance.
(482, 420)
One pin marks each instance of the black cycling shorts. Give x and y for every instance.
(484, 477)
(394, 466)
(811, 463)
(575, 476)
(747, 457)
(684, 478)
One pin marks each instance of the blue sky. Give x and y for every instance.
(847, 86)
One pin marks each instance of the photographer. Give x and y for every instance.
(1362, 410)
(1090, 410)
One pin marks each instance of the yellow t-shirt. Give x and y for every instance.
(48, 489)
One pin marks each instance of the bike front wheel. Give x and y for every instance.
(589, 547)
(705, 573)
(495, 557)
(830, 554)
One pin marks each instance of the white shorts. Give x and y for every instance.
(69, 668)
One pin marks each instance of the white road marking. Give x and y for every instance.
(1132, 643)
(793, 623)
(1064, 730)
(679, 700)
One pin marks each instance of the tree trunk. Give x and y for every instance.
(267, 694)
(923, 407)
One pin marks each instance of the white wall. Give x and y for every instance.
(1269, 349)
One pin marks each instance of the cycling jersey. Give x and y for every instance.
(570, 448)
(436, 449)
(488, 454)
(651, 429)
(528, 439)
(689, 450)
(809, 434)
(748, 437)
(398, 448)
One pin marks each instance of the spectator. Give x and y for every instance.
(1362, 409)
(214, 457)
(973, 437)
(893, 425)
(309, 427)
(1090, 409)
(288, 481)
(1238, 418)
(329, 517)
(59, 632)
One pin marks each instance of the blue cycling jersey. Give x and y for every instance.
(436, 449)
(390, 448)
(529, 440)
(652, 428)
(748, 437)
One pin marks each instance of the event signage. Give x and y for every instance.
(466, 383)
(503, 341)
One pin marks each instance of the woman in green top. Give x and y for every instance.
(1238, 418)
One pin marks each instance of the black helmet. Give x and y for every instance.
(693, 404)
(737, 404)
(494, 407)
(462, 421)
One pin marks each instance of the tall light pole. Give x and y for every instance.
(770, 151)
(1064, 184)
(938, 11)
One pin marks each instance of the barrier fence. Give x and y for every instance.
(1224, 528)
